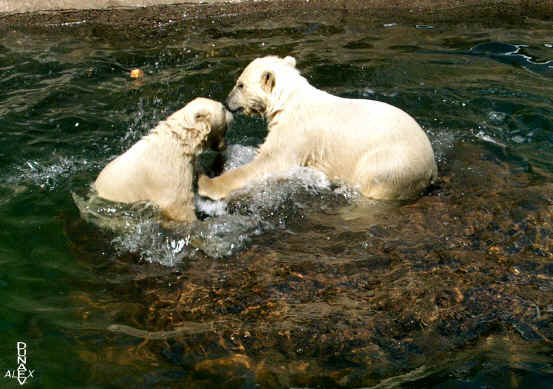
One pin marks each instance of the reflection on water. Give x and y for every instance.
(515, 55)
(292, 282)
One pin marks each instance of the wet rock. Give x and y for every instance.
(382, 296)
(236, 365)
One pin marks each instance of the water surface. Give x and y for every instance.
(293, 282)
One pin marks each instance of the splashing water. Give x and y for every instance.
(229, 226)
(295, 282)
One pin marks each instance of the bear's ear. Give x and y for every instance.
(268, 81)
(202, 114)
(290, 61)
(202, 120)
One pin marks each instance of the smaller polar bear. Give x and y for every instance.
(160, 166)
(371, 146)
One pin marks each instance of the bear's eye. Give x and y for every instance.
(240, 85)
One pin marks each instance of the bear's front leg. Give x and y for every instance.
(264, 165)
(180, 211)
(208, 187)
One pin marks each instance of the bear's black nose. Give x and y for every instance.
(232, 106)
(235, 110)
(225, 104)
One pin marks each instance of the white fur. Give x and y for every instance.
(160, 166)
(372, 146)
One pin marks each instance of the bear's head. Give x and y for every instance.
(260, 83)
(205, 120)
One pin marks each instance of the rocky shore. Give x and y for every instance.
(144, 13)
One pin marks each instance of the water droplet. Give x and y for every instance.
(518, 139)
(367, 92)
(496, 117)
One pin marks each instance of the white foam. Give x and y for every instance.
(442, 140)
(210, 207)
(238, 155)
(263, 205)
(49, 174)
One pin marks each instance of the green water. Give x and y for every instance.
(297, 283)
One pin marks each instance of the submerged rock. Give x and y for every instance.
(330, 303)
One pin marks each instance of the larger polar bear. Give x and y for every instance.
(160, 167)
(371, 146)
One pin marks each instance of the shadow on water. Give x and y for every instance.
(293, 282)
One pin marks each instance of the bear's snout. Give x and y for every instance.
(227, 106)
(232, 102)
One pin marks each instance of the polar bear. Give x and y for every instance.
(372, 146)
(160, 167)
